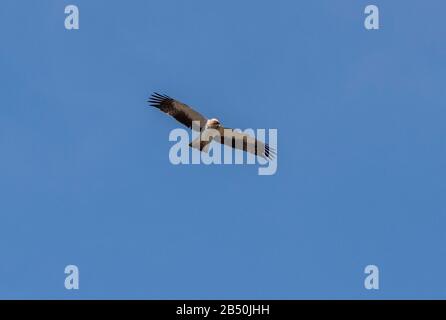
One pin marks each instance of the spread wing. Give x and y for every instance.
(246, 143)
(180, 111)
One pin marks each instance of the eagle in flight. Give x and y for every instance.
(188, 116)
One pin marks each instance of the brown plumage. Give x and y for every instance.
(180, 111)
(186, 115)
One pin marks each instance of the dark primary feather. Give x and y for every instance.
(180, 111)
(241, 141)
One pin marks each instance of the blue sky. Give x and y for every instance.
(85, 177)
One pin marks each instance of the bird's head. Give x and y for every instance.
(213, 124)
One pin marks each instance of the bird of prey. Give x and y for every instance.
(187, 116)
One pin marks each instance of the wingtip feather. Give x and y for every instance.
(157, 99)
